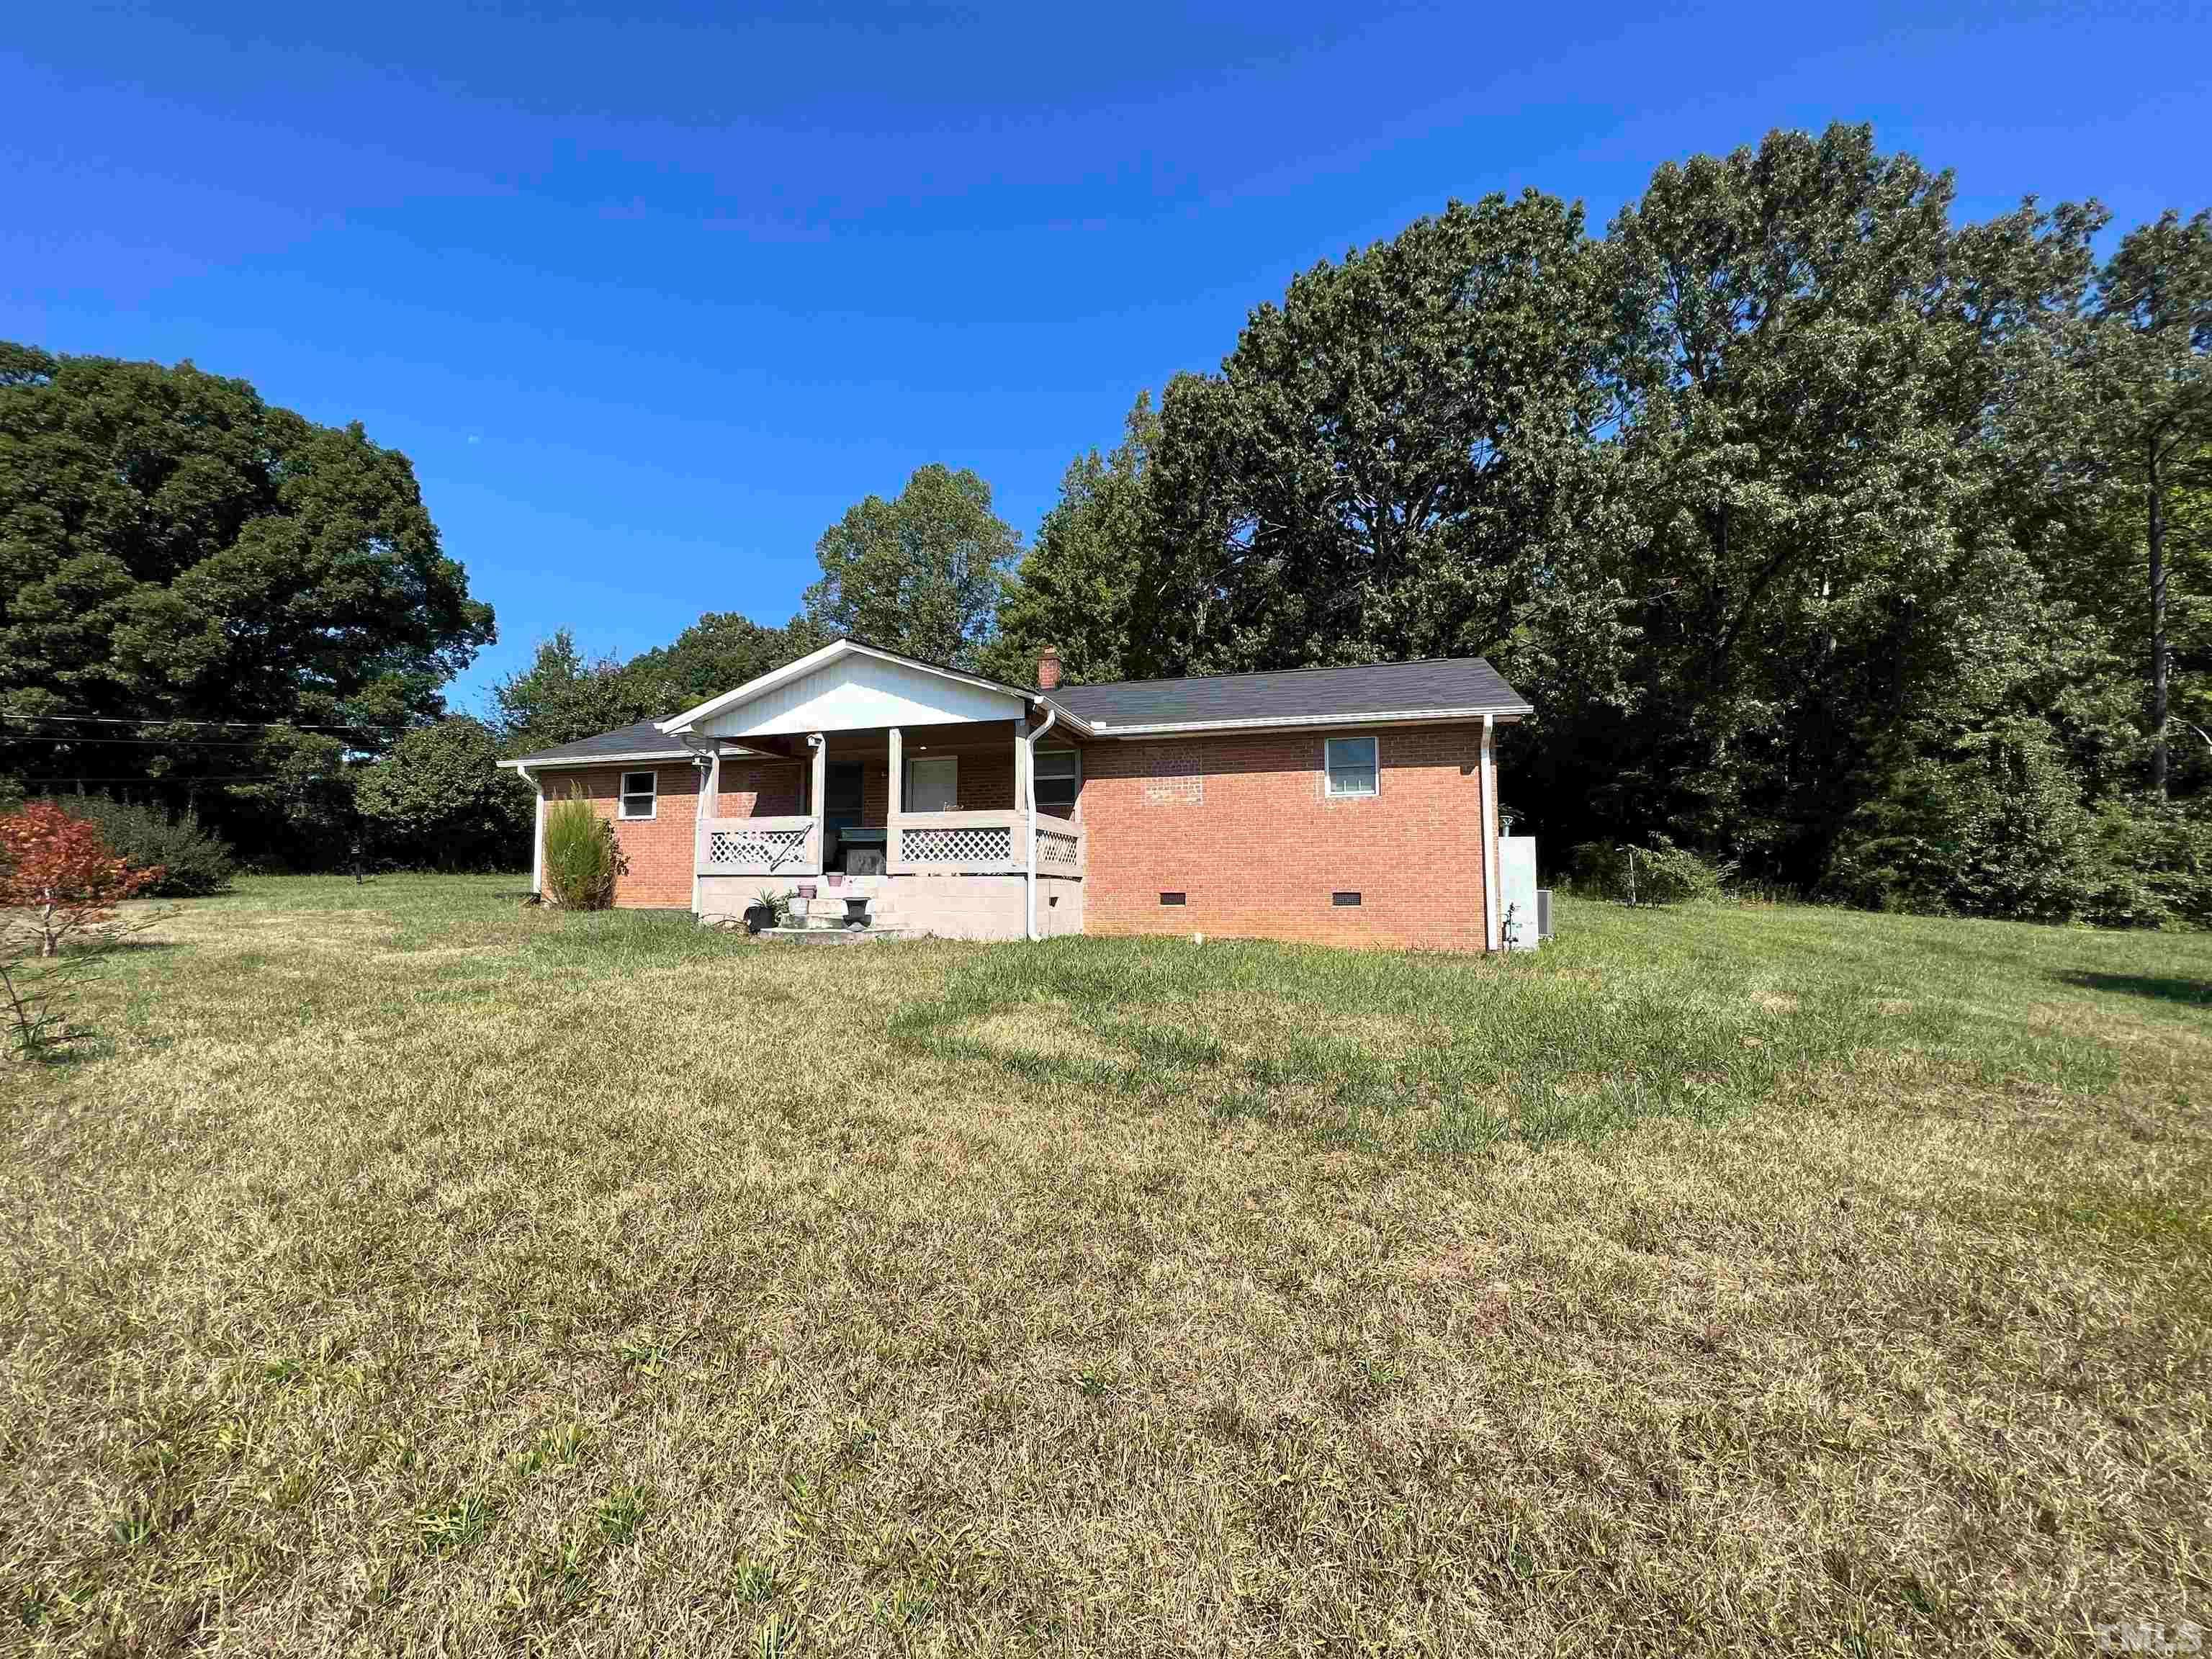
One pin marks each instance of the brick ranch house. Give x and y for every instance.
(1332, 805)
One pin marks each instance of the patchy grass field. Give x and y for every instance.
(411, 1271)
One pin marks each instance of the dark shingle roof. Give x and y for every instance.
(1371, 691)
(643, 739)
(1439, 686)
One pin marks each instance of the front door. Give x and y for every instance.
(932, 783)
(840, 801)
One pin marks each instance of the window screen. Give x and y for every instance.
(1171, 898)
(638, 790)
(1351, 763)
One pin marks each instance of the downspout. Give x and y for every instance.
(1490, 913)
(1050, 715)
(537, 830)
(702, 762)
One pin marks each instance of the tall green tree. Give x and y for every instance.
(718, 653)
(920, 572)
(439, 800)
(2154, 408)
(173, 548)
(171, 543)
(564, 696)
(1832, 570)
(1389, 460)
(1078, 587)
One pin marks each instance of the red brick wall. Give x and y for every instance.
(762, 789)
(658, 849)
(768, 789)
(1244, 827)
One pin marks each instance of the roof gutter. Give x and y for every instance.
(1294, 722)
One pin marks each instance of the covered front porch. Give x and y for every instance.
(923, 829)
(926, 815)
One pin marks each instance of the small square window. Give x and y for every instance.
(1351, 900)
(1171, 898)
(638, 793)
(1351, 763)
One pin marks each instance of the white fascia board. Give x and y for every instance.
(822, 659)
(1312, 722)
(634, 754)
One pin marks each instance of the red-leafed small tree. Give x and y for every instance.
(59, 879)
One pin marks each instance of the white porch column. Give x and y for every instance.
(896, 783)
(1021, 762)
(820, 744)
(536, 831)
(710, 795)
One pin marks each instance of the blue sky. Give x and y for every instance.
(650, 300)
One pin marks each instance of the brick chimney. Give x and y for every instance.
(1049, 668)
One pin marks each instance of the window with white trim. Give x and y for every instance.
(638, 793)
(1059, 777)
(1351, 765)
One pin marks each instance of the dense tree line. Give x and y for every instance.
(1859, 547)
(1867, 552)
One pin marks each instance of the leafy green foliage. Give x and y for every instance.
(582, 857)
(173, 548)
(2153, 407)
(920, 572)
(1815, 524)
(1657, 873)
(563, 695)
(193, 860)
(439, 801)
(1081, 582)
(1387, 463)
(717, 654)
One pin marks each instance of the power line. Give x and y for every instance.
(31, 786)
(154, 742)
(164, 719)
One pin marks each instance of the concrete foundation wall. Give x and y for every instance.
(945, 906)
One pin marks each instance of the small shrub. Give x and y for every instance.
(2151, 866)
(1661, 873)
(582, 857)
(194, 861)
(59, 886)
(59, 879)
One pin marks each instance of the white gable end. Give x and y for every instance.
(855, 690)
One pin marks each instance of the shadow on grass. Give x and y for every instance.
(2165, 987)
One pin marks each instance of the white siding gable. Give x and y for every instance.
(855, 691)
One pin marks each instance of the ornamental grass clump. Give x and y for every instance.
(582, 857)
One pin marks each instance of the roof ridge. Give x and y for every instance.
(1256, 673)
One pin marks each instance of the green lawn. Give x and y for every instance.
(409, 1270)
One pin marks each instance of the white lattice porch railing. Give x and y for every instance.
(945, 843)
(1058, 848)
(759, 846)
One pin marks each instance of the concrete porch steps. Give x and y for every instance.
(831, 935)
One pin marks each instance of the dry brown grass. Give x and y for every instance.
(413, 1272)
